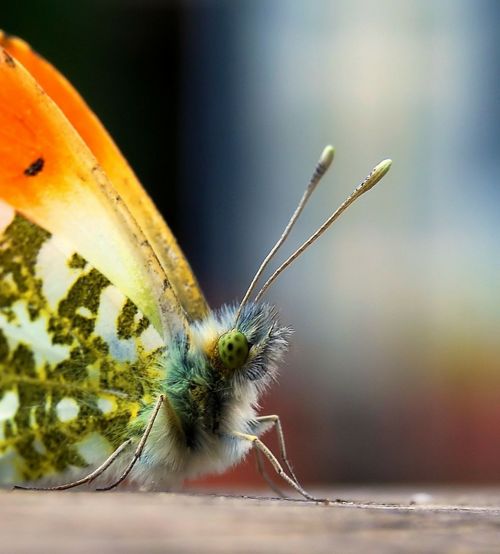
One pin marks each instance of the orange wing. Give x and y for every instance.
(119, 173)
(48, 173)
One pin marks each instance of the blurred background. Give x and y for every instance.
(223, 106)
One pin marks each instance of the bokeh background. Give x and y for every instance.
(223, 106)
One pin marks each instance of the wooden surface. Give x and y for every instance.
(378, 520)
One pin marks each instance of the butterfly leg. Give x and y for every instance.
(262, 470)
(88, 478)
(140, 446)
(276, 423)
(259, 445)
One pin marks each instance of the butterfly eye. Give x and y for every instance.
(233, 349)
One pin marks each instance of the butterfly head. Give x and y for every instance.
(249, 351)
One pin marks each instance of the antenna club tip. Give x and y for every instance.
(384, 166)
(327, 156)
(377, 173)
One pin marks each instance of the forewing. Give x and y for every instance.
(48, 173)
(78, 360)
(121, 176)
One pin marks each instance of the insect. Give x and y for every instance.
(112, 365)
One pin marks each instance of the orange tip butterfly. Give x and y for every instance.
(112, 365)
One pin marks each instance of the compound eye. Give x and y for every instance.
(233, 349)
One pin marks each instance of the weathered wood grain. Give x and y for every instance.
(378, 521)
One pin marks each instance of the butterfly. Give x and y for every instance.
(112, 364)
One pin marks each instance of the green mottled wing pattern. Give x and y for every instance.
(78, 361)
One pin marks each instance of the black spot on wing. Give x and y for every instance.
(35, 168)
(9, 60)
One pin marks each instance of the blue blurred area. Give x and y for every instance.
(223, 108)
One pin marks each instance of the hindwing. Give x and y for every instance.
(78, 360)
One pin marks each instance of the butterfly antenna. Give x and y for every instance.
(322, 166)
(373, 178)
